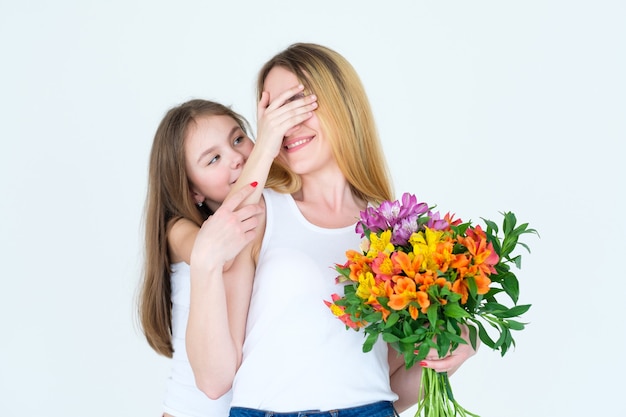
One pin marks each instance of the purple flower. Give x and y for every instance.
(390, 210)
(371, 219)
(435, 221)
(410, 206)
(400, 218)
(403, 230)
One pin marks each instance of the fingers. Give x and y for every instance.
(450, 362)
(248, 212)
(440, 365)
(263, 104)
(289, 103)
(288, 95)
(238, 197)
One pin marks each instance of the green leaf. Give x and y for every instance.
(508, 245)
(511, 286)
(432, 314)
(515, 325)
(484, 336)
(443, 344)
(513, 311)
(490, 226)
(455, 311)
(495, 308)
(410, 339)
(456, 338)
(423, 350)
(369, 342)
(406, 328)
(392, 319)
(472, 335)
(390, 338)
(509, 223)
(374, 317)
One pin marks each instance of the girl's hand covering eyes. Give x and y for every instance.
(282, 116)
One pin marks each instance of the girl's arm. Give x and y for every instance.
(221, 289)
(219, 303)
(275, 121)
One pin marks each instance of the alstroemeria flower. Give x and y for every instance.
(340, 312)
(419, 278)
(373, 220)
(410, 207)
(380, 243)
(403, 229)
(436, 222)
(382, 265)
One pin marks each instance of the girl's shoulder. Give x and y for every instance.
(181, 235)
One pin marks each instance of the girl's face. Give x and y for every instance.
(305, 150)
(216, 149)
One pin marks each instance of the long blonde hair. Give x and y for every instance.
(345, 116)
(169, 199)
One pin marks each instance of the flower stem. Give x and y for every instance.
(436, 399)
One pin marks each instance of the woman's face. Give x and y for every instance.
(305, 150)
(216, 149)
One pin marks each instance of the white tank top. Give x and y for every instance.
(182, 397)
(297, 355)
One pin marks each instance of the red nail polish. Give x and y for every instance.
(423, 363)
(254, 184)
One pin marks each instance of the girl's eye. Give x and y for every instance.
(238, 140)
(214, 160)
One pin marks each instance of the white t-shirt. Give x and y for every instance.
(182, 397)
(297, 355)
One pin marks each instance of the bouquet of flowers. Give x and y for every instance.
(420, 278)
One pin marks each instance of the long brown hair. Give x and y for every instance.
(345, 116)
(169, 199)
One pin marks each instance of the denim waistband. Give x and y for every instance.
(378, 409)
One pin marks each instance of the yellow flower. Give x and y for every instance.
(366, 282)
(380, 244)
(425, 244)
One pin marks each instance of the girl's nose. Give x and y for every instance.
(236, 160)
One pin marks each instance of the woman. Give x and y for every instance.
(198, 154)
(296, 355)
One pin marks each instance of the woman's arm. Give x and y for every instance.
(406, 382)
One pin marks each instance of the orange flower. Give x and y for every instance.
(357, 263)
(383, 265)
(484, 256)
(408, 264)
(339, 311)
(406, 292)
(423, 301)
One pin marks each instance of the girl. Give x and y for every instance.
(198, 154)
(296, 355)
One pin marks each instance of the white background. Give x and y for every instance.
(482, 106)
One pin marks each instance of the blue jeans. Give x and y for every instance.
(379, 409)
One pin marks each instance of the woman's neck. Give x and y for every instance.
(328, 202)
